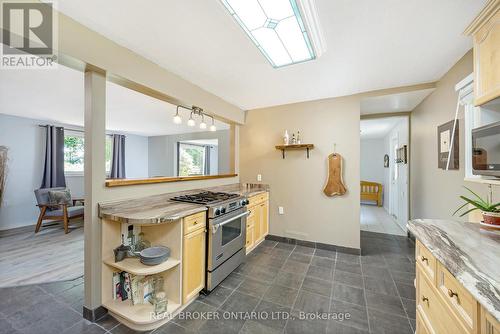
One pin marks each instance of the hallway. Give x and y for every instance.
(376, 219)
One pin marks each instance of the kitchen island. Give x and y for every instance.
(180, 226)
(458, 277)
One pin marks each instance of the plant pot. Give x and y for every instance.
(491, 218)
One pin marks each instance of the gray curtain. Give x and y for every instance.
(118, 158)
(53, 171)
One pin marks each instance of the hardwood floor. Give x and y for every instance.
(48, 256)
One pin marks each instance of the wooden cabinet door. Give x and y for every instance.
(193, 264)
(488, 324)
(257, 229)
(487, 61)
(250, 238)
(264, 223)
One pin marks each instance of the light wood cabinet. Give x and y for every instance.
(257, 220)
(485, 32)
(443, 304)
(193, 261)
(488, 324)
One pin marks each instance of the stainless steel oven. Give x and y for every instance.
(226, 245)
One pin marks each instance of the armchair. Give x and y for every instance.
(55, 212)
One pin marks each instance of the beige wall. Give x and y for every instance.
(296, 182)
(434, 192)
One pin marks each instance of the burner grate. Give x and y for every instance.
(206, 197)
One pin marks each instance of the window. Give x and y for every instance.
(74, 152)
(191, 159)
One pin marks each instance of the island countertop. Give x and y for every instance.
(469, 252)
(158, 209)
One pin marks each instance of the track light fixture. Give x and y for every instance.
(196, 111)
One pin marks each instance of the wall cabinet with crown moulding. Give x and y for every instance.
(485, 33)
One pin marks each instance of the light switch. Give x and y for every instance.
(259, 177)
(281, 210)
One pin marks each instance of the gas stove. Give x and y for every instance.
(218, 203)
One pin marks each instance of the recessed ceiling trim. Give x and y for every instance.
(278, 30)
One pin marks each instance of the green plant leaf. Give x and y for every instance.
(470, 210)
(460, 208)
(478, 197)
(477, 204)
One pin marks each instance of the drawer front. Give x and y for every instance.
(194, 222)
(258, 199)
(460, 301)
(433, 310)
(427, 260)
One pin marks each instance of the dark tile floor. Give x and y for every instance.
(281, 288)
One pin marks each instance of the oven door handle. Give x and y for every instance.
(216, 226)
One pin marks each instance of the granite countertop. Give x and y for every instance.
(469, 252)
(158, 209)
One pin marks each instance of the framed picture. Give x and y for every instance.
(446, 148)
(386, 161)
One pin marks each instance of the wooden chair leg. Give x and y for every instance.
(40, 219)
(66, 219)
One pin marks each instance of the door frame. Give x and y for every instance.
(408, 183)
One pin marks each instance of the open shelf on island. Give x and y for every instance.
(284, 148)
(135, 267)
(140, 314)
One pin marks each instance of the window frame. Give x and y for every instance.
(81, 134)
(74, 133)
(179, 143)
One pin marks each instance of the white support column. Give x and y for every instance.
(95, 174)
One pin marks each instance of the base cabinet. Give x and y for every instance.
(193, 264)
(443, 304)
(257, 220)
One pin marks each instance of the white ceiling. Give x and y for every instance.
(370, 45)
(378, 128)
(58, 96)
(392, 103)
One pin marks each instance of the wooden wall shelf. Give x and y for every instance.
(284, 148)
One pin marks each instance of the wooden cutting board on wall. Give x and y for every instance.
(334, 185)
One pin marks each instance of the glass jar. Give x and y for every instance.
(159, 297)
(141, 243)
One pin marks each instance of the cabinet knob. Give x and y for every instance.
(452, 293)
(424, 259)
(425, 299)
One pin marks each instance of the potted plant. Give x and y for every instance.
(490, 210)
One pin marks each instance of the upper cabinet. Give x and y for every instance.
(485, 32)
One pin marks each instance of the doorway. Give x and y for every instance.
(384, 167)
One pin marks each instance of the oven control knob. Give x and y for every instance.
(243, 202)
(217, 212)
(223, 210)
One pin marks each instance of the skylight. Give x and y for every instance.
(276, 27)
